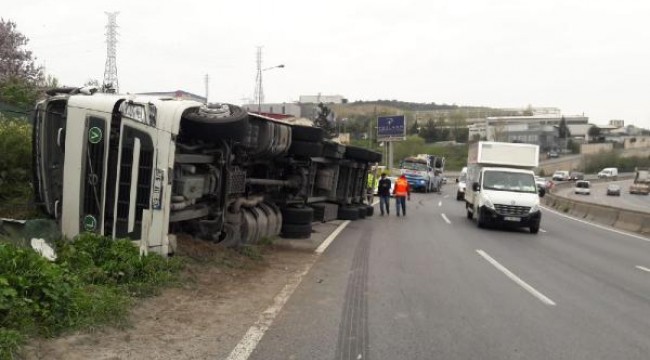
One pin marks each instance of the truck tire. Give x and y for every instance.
(293, 231)
(358, 153)
(370, 210)
(479, 220)
(534, 229)
(206, 123)
(307, 133)
(297, 216)
(362, 211)
(306, 149)
(348, 213)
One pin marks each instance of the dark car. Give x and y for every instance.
(553, 154)
(614, 190)
(576, 175)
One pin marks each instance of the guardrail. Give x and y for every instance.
(624, 219)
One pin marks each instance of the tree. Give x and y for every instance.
(594, 133)
(564, 129)
(414, 129)
(15, 60)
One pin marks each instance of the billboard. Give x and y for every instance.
(391, 128)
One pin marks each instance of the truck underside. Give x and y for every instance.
(227, 176)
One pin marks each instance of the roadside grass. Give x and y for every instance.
(93, 283)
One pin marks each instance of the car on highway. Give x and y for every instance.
(614, 190)
(561, 175)
(608, 173)
(576, 175)
(553, 154)
(582, 187)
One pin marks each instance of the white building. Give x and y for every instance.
(325, 99)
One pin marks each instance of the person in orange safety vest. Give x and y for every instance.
(401, 191)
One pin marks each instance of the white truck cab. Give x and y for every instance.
(501, 188)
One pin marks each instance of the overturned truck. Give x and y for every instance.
(148, 168)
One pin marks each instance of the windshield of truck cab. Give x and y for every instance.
(414, 166)
(509, 181)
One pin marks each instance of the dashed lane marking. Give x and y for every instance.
(445, 218)
(516, 279)
(439, 203)
(643, 268)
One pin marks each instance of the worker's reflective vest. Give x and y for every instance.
(372, 183)
(401, 187)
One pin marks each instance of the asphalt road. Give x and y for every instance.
(599, 196)
(428, 286)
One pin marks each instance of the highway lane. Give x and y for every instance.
(599, 196)
(420, 287)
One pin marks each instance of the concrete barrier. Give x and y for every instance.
(603, 215)
(631, 221)
(628, 220)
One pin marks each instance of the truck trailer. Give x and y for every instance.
(501, 189)
(148, 168)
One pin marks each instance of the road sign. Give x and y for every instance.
(391, 128)
(94, 135)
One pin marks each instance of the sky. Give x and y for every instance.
(588, 57)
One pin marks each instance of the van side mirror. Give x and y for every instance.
(456, 179)
(476, 186)
(542, 192)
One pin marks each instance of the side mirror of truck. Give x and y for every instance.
(476, 187)
(542, 192)
(456, 179)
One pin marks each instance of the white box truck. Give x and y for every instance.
(501, 189)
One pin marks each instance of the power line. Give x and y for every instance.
(110, 70)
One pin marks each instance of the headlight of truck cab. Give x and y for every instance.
(535, 208)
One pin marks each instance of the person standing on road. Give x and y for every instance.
(371, 186)
(384, 194)
(402, 191)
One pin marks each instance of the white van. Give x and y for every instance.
(608, 173)
(582, 187)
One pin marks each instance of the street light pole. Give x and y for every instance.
(259, 84)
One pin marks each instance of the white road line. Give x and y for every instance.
(439, 203)
(247, 344)
(516, 279)
(546, 208)
(323, 246)
(542, 230)
(643, 268)
(446, 219)
(254, 335)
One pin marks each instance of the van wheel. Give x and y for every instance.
(479, 219)
(534, 229)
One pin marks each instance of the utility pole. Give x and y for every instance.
(207, 82)
(110, 70)
(259, 93)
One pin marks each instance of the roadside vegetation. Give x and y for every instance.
(15, 169)
(92, 283)
(595, 163)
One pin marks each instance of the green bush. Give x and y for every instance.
(595, 163)
(90, 284)
(15, 162)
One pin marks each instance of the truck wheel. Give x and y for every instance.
(370, 210)
(293, 231)
(307, 133)
(480, 221)
(297, 216)
(459, 196)
(358, 153)
(348, 213)
(534, 229)
(215, 121)
(306, 149)
(362, 211)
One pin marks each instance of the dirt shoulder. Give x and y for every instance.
(221, 296)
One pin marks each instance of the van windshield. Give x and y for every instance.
(509, 181)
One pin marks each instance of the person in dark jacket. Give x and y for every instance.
(383, 191)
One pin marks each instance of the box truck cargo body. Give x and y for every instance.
(501, 188)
